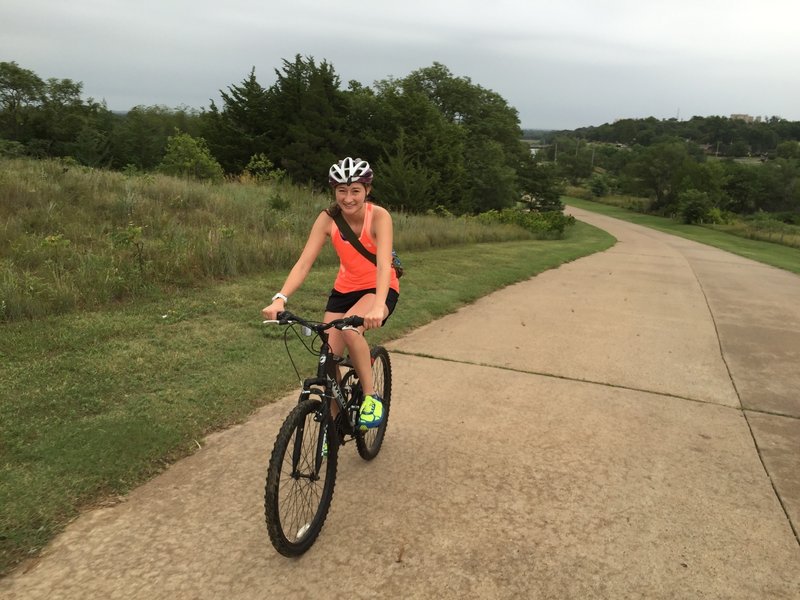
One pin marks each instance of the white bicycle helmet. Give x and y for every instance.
(350, 170)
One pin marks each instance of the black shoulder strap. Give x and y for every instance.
(350, 236)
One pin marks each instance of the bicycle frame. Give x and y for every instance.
(327, 387)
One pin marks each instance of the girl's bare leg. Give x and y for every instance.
(355, 342)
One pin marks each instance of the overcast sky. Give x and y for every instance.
(562, 64)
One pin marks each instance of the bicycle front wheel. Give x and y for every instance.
(369, 442)
(300, 479)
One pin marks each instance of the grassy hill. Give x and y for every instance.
(79, 238)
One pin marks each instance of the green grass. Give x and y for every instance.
(776, 255)
(94, 403)
(74, 238)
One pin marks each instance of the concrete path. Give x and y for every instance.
(625, 426)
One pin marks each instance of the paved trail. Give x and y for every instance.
(625, 426)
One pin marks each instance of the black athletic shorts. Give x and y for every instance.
(341, 303)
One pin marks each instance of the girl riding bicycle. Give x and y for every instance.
(361, 287)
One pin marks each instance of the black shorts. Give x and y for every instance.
(339, 302)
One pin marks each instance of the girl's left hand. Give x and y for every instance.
(374, 318)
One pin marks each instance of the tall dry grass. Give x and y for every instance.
(74, 237)
(763, 228)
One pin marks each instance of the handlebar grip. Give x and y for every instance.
(355, 321)
(285, 316)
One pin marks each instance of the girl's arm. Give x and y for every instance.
(383, 234)
(316, 240)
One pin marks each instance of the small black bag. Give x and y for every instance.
(350, 236)
(397, 265)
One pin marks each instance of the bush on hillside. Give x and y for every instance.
(190, 157)
(543, 225)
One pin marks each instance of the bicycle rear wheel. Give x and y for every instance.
(300, 480)
(369, 442)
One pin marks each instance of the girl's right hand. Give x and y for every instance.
(270, 312)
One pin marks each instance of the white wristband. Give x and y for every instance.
(281, 296)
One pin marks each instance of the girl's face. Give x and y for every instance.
(351, 198)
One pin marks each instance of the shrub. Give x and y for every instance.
(190, 157)
(541, 224)
(11, 149)
(261, 169)
(694, 207)
(598, 186)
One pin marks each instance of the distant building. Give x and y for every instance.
(746, 118)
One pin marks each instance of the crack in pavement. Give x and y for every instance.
(593, 382)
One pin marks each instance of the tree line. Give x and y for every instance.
(435, 139)
(699, 170)
(722, 136)
(438, 142)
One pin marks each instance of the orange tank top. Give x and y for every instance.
(356, 272)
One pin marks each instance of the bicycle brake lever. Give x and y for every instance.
(351, 328)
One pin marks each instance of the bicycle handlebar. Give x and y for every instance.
(287, 318)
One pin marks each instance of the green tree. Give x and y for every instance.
(709, 177)
(241, 129)
(780, 178)
(91, 147)
(491, 182)
(694, 206)
(598, 185)
(366, 121)
(307, 119)
(21, 91)
(413, 129)
(64, 116)
(788, 149)
(404, 183)
(48, 117)
(742, 188)
(541, 181)
(190, 157)
(660, 170)
(61, 113)
(139, 137)
(492, 135)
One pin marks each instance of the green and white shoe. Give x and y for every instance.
(371, 413)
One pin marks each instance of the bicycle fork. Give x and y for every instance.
(322, 417)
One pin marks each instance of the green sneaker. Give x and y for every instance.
(371, 413)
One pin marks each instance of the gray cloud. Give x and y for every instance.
(561, 64)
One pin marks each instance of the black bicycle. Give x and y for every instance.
(302, 468)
